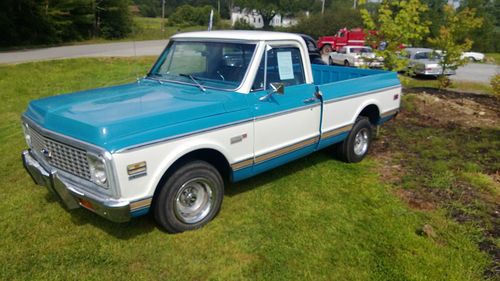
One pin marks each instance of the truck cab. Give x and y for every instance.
(217, 107)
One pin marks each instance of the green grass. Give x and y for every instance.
(410, 82)
(313, 219)
(493, 57)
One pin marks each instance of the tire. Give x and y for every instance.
(190, 198)
(357, 144)
(330, 61)
(346, 63)
(326, 49)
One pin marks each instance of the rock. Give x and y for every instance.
(428, 231)
(481, 113)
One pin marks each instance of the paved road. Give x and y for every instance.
(123, 49)
(476, 72)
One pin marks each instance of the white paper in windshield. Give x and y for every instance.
(285, 66)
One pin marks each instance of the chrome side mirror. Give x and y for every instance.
(276, 88)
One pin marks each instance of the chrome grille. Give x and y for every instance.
(61, 156)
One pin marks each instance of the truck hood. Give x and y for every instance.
(102, 116)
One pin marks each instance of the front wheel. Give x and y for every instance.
(190, 198)
(355, 147)
(346, 63)
(330, 61)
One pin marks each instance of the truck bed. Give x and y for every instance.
(338, 81)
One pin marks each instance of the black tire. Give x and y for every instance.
(195, 183)
(346, 63)
(330, 61)
(346, 150)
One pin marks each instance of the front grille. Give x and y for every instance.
(61, 156)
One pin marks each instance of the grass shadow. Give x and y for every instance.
(124, 231)
(295, 166)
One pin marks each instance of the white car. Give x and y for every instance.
(355, 56)
(426, 62)
(473, 56)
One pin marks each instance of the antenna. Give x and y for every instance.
(211, 20)
(135, 60)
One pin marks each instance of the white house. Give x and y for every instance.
(253, 18)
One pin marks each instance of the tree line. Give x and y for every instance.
(33, 22)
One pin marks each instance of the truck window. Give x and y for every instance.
(218, 65)
(284, 65)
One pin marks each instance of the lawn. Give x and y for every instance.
(313, 219)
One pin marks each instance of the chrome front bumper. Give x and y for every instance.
(73, 197)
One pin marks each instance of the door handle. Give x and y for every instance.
(309, 100)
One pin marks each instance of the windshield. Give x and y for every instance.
(427, 55)
(361, 50)
(209, 64)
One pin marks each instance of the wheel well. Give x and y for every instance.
(372, 112)
(212, 156)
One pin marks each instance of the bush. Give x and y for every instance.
(317, 25)
(242, 24)
(187, 15)
(495, 84)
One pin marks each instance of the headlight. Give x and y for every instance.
(27, 135)
(97, 166)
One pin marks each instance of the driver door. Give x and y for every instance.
(286, 125)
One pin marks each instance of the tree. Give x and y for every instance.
(487, 37)
(399, 23)
(450, 39)
(269, 9)
(329, 23)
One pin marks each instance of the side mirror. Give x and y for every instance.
(276, 88)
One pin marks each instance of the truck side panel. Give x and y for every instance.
(347, 91)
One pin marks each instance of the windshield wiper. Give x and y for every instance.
(194, 80)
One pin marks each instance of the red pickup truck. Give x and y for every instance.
(352, 37)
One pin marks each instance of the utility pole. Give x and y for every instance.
(355, 4)
(163, 16)
(218, 7)
(323, 6)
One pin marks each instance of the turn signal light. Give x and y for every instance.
(86, 204)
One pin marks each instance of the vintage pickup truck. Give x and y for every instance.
(217, 107)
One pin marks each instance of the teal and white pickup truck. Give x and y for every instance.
(217, 107)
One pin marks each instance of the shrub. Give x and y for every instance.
(317, 25)
(495, 84)
(187, 15)
(242, 24)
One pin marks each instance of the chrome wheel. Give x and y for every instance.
(361, 142)
(194, 200)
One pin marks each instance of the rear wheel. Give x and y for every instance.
(190, 198)
(330, 61)
(346, 63)
(355, 147)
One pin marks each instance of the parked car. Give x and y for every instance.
(424, 61)
(314, 53)
(355, 56)
(473, 56)
(169, 143)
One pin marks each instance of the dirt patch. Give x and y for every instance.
(462, 109)
(425, 152)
